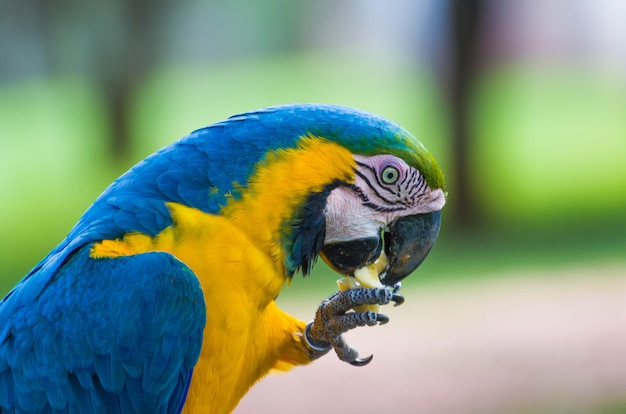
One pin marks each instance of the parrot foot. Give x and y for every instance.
(334, 317)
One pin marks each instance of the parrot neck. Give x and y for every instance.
(270, 210)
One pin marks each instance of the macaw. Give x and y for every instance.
(161, 299)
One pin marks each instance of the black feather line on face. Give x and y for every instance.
(417, 187)
(304, 233)
(383, 209)
(381, 185)
(397, 204)
(375, 190)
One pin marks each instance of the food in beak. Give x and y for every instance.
(366, 277)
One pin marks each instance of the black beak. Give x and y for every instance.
(346, 257)
(407, 242)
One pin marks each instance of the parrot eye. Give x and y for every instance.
(390, 175)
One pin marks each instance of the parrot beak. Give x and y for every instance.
(407, 242)
(346, 257)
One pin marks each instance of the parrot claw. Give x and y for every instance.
(397, 298)
(348, 354)
(360, 362)
(381, 318)
(334, 317)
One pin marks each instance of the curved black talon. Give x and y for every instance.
(381, 318)
(360, 362)
(397, 298)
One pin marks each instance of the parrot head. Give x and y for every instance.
(359, 185)
(390, 206)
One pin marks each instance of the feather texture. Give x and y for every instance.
(94, 338)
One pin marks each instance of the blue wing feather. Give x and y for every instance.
(96, 336)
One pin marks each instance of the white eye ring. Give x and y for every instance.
(390, 175)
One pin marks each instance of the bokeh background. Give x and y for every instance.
(521, 307)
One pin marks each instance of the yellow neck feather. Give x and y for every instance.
(281, 183)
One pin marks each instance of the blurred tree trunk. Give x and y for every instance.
(117, 50)
(465, 28)
(124, 68)
(118, 97)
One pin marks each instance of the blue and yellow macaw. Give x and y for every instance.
(161, 298)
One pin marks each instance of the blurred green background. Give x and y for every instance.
(523, 103)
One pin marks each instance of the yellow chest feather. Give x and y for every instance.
(246, 334)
